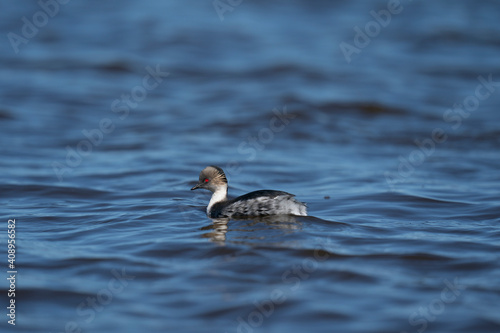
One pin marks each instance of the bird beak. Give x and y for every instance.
(197, 186)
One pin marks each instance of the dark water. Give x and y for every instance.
(390, 135)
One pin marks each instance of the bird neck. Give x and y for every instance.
(219, 195)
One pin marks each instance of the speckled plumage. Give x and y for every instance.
(257, 203)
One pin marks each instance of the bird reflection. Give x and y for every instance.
(219, 230)
(219, 226)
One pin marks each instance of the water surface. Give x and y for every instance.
(110, 111)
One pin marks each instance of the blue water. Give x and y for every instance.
(110, 110)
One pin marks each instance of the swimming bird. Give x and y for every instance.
(257, 203)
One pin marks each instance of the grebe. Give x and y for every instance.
(257, 203)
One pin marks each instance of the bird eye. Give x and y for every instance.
(206, 180)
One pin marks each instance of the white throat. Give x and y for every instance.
(219, 195)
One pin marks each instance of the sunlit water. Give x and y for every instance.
(109, 112)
